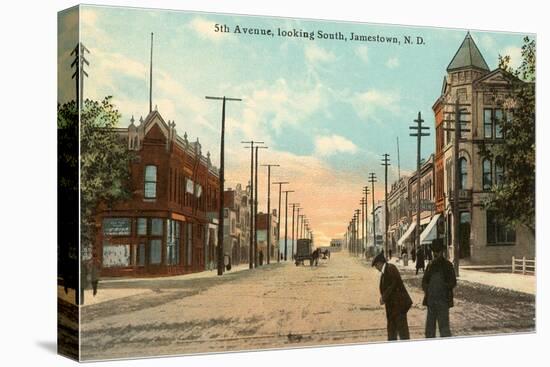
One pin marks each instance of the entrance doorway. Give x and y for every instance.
(464, 234)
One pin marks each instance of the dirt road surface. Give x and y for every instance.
(278, 306)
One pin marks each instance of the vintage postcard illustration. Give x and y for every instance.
(231, 182)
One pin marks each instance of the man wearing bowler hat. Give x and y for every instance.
(395, 297)
(438, 283)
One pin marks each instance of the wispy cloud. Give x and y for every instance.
(363, 53)
(392, 63)
(315, 53)
(333, 144)
(369, 102)
(204, 28)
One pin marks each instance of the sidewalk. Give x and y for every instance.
(515, 282)
(144, 285)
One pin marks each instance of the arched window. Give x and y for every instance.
(499, 171)
(487, 174)
(463, 178)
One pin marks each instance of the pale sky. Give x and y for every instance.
(327, 109)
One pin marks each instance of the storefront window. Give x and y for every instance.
(142, 226)
(172, 242)
(115, 255)
(117, 226)
(189, 244)
(497, 232)
(156, 227)
(155, 247)
(141, 254)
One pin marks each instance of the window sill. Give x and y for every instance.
(501, 244)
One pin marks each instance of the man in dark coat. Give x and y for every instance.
(420, 260)
(438, 283)
(395, 297)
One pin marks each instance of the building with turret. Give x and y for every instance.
(483, 95)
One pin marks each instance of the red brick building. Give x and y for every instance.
(169, 224)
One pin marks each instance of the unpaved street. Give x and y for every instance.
(276, 306)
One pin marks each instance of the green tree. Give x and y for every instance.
(514, 196)
(104, 160)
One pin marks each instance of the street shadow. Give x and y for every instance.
(48, 345)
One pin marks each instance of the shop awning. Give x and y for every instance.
(430, 232)
(406, 234)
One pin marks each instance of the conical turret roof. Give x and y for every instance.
(468, 56)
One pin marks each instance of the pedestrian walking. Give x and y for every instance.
(405, 256)
(438, 283)
(428, 251)
(420, 260)
(94, 276)
(389, 253)
(261, 256)
(395, 297)
(413, 255)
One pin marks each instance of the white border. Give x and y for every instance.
(28, 149)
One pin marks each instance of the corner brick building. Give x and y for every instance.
(483, 95)
(169, 225)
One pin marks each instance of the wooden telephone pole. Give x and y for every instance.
(279, 216)
(372, 180)
(251, 202)
(366, 192)
(221, 180)
(79, 73)
(458, 129)
(363, 203)
(294, 206)
(418, 134)
(386, 163)
(269, 209)
(286, 221)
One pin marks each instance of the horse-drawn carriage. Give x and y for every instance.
(304, 251)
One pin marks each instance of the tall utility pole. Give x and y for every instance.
(356, 231)
(294, 206)
(346, 238)
(151, 77)
(256, 259)
(79, 73)
(418, 134)
(366, 192)
(363, 203)
(269, 209)
(297, 221)
(286, 221)
(251, 202)
(398, 162)
(386, 163)
(372, 180)
(300, 225)
(279, 217)
(222, 180)
(458, 130)
(350, 230)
